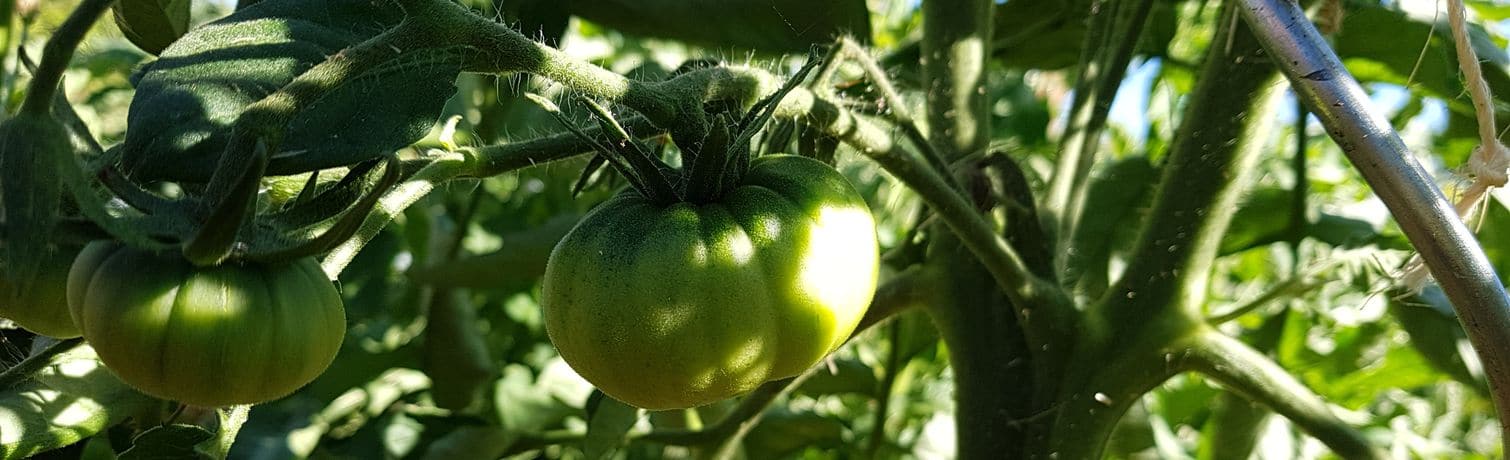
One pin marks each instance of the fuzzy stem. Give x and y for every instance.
(57, 53)
(1056, 199)
(29, 366)
(955, 52)
(1240, 368)
(1226, 127)
(434, 172)
(898, 109)
(1129, 22)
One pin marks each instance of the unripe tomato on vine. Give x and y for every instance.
(671, 297)
(237, 333)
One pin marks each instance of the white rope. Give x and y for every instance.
(1490, 160)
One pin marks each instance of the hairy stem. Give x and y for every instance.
(1225, 128)
(57, 53)
(1242, 369)
(1130, 342)
(955, 50)
(434, 172)
(1078, 160)
(29, 366)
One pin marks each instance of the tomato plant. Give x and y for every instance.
(219, 336)
(683, 305)
(1020, 229)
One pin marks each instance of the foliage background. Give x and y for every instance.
(1395, 364)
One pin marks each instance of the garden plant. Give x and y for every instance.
(753, 229)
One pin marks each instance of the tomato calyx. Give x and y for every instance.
(714, 160)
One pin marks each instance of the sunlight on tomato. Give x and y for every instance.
(218, 336)
(683, 305)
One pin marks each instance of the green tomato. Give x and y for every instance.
(42, 307)
(225, 335)
(679, 306)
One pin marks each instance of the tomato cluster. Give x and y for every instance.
(682, 305)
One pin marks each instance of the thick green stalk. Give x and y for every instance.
(1078, 160)
(1233, 429)
(1057, 198)
(1224, 129)
(1242, 369)
(1130, 342)
(994, 361)
(956, 52)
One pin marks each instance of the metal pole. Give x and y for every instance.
(1429, 221)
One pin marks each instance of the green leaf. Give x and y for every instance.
(471, 442)
(524, 406)
(522, 258)
(1039, 34)
(456, 355)
(766, 25)
(71, 399)
(1263, 218)
(1370, 43)
(607, 422)
(1436, 334)
(1402, 368)
(851, 376)
(782, 433)
(1489, 11)
(187, 101)
(152, 25)
(172, 442)
(1111, 203)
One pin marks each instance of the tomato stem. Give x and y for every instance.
(56, 54)
(345, 226)
(27, 367)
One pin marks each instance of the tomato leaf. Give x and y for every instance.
(1436, 334)
(1263, 218)
(1111, 206)
(850, 376)
(152, 25)
(607, 422)
(171, 442)
(187, 101)
(522, 259)
(785, 434)
(456, 354)
(75, 383)
(767, 25)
